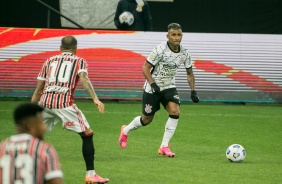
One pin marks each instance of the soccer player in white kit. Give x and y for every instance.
(160, 70)
(57, 82)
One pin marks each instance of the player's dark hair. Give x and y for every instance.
(174, 26)
(26, 110)
(69, 43)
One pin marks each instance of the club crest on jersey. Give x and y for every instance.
(180, 59)
(148, 108)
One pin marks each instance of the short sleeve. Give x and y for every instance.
(52, 164)
(43, 71)
(154, 56)
(82, 66)
(188, 60)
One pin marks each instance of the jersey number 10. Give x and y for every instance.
(64, 72)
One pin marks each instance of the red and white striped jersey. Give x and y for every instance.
(27, 160)
(60, 73)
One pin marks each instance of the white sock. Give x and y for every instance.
(133, 125)
(90, 172)
(170, 127)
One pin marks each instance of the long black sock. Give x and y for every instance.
(88, 151)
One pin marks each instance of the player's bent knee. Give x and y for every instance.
(175, 113)
(87, 132)
(146, 120)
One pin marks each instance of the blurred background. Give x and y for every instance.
(212, 16)
(236, 46)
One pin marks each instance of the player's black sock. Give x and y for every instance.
(88, 151)
(174, 116)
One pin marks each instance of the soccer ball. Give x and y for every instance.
(126, 17)
(236, 153)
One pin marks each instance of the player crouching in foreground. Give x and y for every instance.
(160, 70)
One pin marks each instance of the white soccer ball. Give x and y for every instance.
(236, 153)
(126, 17)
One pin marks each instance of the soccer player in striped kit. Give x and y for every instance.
(24, 157)
(160, 70)
(57, 82)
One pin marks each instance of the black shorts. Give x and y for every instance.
(151, 102)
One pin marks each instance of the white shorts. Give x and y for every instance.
(71, 117)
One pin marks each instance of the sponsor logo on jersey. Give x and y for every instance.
(148, 108)
(56, 89)
(168, 71)
(69, 124)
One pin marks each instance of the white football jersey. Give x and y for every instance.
(165, 64)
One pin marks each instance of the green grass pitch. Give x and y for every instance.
(200, 141)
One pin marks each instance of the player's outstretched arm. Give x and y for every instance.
(89, 88)
(38, 91)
